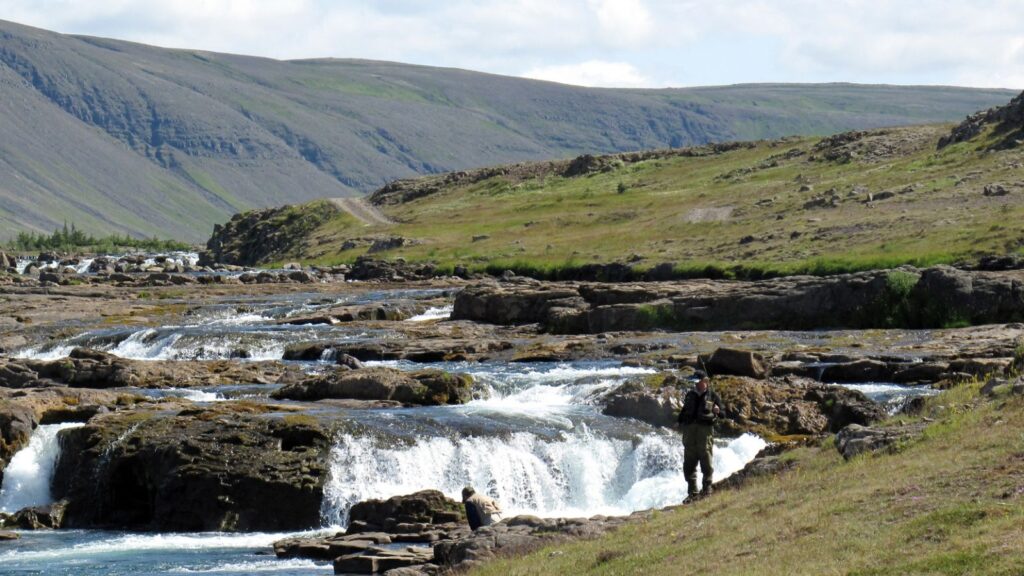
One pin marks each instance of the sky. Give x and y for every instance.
(608, 43)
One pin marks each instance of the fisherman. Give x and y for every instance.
(701, 408)
(480, 510)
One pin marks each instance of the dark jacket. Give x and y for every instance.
(697, 407)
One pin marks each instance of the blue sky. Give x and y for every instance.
(623, 43)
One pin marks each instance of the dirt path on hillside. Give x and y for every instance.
(362, 210)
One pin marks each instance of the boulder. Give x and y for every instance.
(36, 517)
(791, 406)
(920, 372)
(864, 370)
(729, 361)
(657, 407)
(424, 387)
(7, 536)
(856, 439)
(424, 507)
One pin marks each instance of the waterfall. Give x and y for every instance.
(27, 476)
(580, 474)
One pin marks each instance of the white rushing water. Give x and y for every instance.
(27, 477)
(137, 543)
(552, 464)
(433, 313)
(580, 474)
(22, 264)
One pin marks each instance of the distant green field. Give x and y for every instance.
(775, 207)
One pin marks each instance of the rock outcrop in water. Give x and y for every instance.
(235, 468)
(904, 297)
(423, 387)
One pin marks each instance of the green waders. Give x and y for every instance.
(697, 446)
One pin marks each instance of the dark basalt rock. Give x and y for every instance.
(729, 361)
(226, 468)
(424, 387)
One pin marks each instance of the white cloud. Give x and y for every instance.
(624, 22)
(595, 73)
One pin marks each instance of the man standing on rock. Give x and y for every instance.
(480, 510)
(701, 407)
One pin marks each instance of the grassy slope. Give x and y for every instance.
(951, 503)
(668, 210)
(121, 136)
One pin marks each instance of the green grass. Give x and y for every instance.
(948, 504)
(739, 214)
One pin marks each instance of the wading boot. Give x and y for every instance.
(707, 491)
(691, 491)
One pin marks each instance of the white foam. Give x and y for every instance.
(83, 265)
(146, 345)
(157, 542)
(27, 477)
(197, 395)
(44, 353)
(876, 388)
(433, 313)
(273, 565)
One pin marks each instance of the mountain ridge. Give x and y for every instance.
(123, 137)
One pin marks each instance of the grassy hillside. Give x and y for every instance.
(856, 201)
(950, 503)
(122, 137)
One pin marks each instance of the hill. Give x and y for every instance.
(123, 137)
(853, 201)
